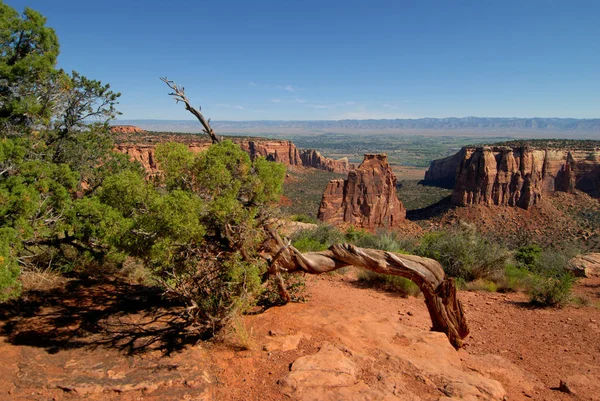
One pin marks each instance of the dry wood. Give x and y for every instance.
(179, 95)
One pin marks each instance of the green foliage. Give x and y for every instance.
(385, 240)
(396, 284)
(463, 253)
(515, 279)
(302, 218)
(528, 256)
(9, 270)
(317, 239)
(552, 290)
(28, 52)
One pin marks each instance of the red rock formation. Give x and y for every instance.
(278, 151)
(367, 198)
(312, 158)
(520, 176)
(275, 150)
(126, 129)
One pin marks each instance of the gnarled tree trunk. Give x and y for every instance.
(447, 315)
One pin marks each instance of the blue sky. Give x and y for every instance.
(301, 60)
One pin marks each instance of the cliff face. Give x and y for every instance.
(312, 158)
(275, 150)
(367, 198)
(442, 172)
(521, 176)
(126, 129)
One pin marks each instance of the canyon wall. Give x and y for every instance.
(516, 176)
(280, 151)
(126, 129)
(367, 198)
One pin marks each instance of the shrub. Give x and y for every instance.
(385, 240)
(551, 291)
(464, 254)
(515, 279)
(317, 239)
(397, 284)
(528, 256)
(302, 218)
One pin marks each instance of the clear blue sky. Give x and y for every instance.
(298, 60)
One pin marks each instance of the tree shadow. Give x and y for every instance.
(89, 313)
(379, 287)
(435, 210)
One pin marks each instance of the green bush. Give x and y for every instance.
(317, 239)
(551, 290)
(385, 240)
(463, 253)
(515, 279)
(397, 284)
(528, 256)
(302, 218)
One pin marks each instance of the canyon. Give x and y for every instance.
(142, 149)
(515, 175)
(366, 199)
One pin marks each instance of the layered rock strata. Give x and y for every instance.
(516, 176)
(367, 198)
(275, 150)
(126, 129)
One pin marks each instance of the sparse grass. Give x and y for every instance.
(396, 284)
(239, 333)
(515, 279)
(41, 280)
(417, 196)
(305, 190)
(481, 285)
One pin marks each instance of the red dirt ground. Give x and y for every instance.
(105, 341)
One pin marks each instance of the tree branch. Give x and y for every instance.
(179, 96)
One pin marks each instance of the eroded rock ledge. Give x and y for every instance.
(515, 176)
(282, 151)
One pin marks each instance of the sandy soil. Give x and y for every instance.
(104, 341)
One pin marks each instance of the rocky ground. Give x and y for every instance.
(105, 341)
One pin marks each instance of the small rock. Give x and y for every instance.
(564, 387)
(410, 313)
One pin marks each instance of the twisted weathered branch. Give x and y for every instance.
(179, 95)
(445, 310)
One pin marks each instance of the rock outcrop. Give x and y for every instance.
(312, 158)
(280, 151)
(367, 198)
(126, 129)
(516, 176)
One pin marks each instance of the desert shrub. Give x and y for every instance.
(397, 284)
(551, 290)
(302, 218)
(465, 254)
(317, 239)
(481, 285)
(528, 256)
(515, 279)
(385, 240)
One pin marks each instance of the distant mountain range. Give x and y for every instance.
(481, 124)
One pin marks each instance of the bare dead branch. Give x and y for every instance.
(179, 96)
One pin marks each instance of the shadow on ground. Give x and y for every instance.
(429, 212)
(88, 313)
